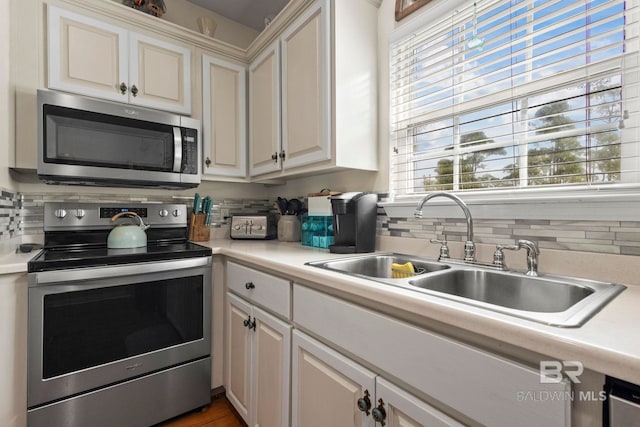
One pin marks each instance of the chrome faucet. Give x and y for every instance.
(469, 246)
(532, 255)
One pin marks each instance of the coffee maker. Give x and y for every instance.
(354, 222)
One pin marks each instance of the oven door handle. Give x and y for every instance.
(93, 273)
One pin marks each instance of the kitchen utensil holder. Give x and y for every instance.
(289, 228)
(198, 231)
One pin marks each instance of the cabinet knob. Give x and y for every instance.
(207, 162)
(123, 88)
(134, 90)
(364, 403)
(249, 285)
(251, 324)
(283, 155)
(274, 157)
(379, 414)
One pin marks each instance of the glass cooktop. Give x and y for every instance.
(92, 256)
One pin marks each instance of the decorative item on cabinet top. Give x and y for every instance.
(406, 7)
(152, 7)
(207, 26)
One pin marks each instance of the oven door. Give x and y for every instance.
(92, 327)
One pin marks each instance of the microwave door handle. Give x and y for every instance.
(177, 149)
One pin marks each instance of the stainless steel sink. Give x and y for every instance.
(552, 300)
(508, 290)
(378, 265)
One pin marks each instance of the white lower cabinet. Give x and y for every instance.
(326, 386)
(397, 408)
(346, 365)
(258, 364)
(481, 386)
(330, 389)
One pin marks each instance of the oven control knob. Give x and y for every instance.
(237, 227)
(80, 213)
(163, 213)
(177, 212)
(60, 213)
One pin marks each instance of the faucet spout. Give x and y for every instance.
(469, 246)
(532, 256)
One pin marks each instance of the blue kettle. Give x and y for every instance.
(125, 236)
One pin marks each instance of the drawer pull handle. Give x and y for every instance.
(249, 285)
(364, 403)
(379, 414)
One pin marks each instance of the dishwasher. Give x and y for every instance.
(622, 404)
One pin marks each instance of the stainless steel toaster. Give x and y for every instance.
(254, 227)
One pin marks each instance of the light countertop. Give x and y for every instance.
(607, 343)
(15, 262)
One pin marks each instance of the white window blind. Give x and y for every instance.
(519, 94)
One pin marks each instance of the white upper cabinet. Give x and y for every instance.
(289, 97)
(264, 112)
(224, 125)
(91, 57)
(305, 88)
(313, 94)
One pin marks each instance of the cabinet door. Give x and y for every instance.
(223, 118)
(159, 74)
(271, 364)
(305, 88)
(238, 355)
(264, 112)
(326, 386)
(450, 363)
(86, 56)
(402, 409)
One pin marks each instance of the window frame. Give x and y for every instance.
(585, 202)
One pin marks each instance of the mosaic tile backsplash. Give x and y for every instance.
(22, 214)
(611, 237)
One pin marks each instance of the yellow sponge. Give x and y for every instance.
(399, 271)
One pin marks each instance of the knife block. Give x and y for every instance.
(198, 231)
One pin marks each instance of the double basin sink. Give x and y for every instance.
(551, 300)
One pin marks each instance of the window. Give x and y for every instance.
(517, 95)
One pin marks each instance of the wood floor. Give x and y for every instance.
(219, 414)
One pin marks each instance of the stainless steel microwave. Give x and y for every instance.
(88, 141)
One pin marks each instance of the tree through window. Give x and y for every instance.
(548, 100)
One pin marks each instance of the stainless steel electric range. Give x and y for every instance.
(117, 337)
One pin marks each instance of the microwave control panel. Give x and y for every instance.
(189, 151)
